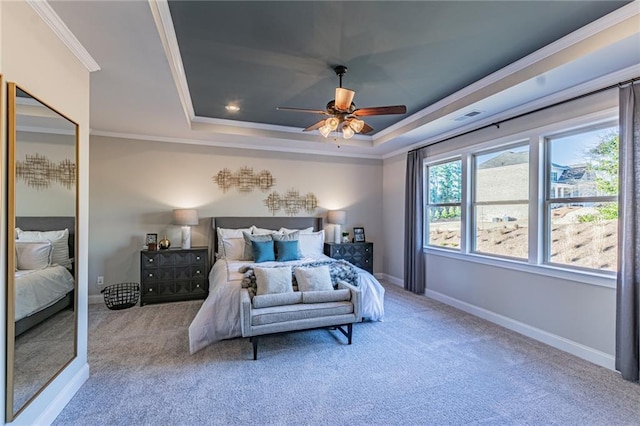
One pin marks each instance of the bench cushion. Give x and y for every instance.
(277, 314)
(267, 300)
(326, 296)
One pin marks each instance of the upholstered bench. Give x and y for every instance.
(300, 310)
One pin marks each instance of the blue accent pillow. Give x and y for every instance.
(263, 251)
(286, 250)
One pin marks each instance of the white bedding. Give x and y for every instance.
(219, 315)
(38, 289)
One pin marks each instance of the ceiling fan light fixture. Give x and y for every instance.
(356, 125)
(332, 123)
(324, 130)
(347, 131)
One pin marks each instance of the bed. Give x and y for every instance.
(219, 315)
(42, 292)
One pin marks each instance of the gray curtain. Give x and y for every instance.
(628, 293)
(413, 224)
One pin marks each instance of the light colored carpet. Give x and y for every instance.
(427, 363)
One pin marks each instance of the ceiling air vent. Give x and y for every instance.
(468, 115)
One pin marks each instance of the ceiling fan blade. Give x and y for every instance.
(344, 97)
(314, 126)
(315, 111)
(366, 129)
(383, 110)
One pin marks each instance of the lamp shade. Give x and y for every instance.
(338, 217)
(185, 217)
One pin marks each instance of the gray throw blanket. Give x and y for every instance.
(340, 270)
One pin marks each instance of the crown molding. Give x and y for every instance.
(340, 151)
(547, 101)
(162, 18)
(51, 18)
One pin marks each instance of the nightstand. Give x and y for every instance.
(359, 254)
(174, 275)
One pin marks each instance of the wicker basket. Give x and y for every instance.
(121, 296)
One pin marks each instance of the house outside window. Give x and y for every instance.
(443, 206)
(501, 201)
(581, 204)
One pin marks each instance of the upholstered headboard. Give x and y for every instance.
(262, 222)
(50, 223)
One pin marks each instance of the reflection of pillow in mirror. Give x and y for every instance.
(59, 240)
(31, 255)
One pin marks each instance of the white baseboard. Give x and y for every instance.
(593, 355)
(391, 279)
(52, 411)
(96, 299)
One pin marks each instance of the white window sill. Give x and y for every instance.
(603, 279)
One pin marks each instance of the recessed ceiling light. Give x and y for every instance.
(232, 108)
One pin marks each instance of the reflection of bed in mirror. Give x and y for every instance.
(40, 294)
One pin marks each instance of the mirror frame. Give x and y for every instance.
(12, 88)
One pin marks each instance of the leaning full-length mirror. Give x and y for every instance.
(42, 215)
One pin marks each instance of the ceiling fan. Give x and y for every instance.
(343, 113)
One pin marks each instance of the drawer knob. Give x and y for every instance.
(197, 285)
(197, 272)
(150, 260)
(150, 290)
(150, 275)
(197, 257)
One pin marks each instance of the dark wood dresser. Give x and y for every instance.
(359, 254)
(173, 275)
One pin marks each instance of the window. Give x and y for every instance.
(581, 204)
(443, 209)
(501, 202)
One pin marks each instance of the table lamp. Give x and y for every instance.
(185, 218)
(337, 218)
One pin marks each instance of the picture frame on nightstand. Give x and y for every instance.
(358, 235)
(152, 242)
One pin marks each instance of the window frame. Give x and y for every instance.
(474, 203)
(427, 205)
(548, 200)
(534, 132)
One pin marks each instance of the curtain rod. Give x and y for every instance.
(497, 123)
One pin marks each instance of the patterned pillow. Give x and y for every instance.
(273, 280)
(314, 279)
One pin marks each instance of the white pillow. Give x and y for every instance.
(302, 231)
(273, 280)
(228, 233)
(313, 279)
(32, 255)
(233, 248)
(261, 231)
(312, 245)
(58, 239)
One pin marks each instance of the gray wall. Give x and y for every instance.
(135, 184)
(572, 312)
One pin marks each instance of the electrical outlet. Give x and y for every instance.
(100, 280)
